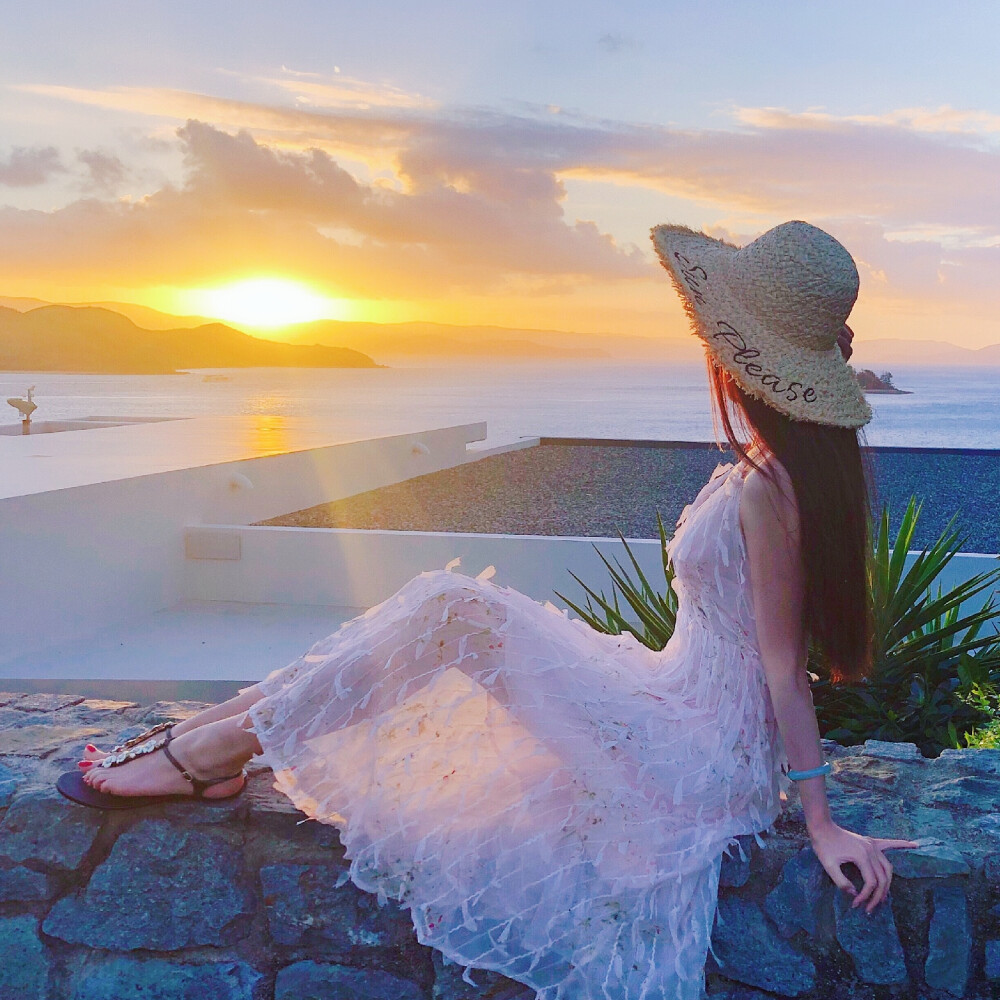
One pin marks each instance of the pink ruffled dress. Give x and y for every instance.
(549, 802)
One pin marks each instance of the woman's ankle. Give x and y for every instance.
(221, 745)
(216, 713)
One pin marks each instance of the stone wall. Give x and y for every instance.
(240, 901)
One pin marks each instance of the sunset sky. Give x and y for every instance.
(495, 163)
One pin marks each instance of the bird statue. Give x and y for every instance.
(25, 407)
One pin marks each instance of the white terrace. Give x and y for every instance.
(130, 566)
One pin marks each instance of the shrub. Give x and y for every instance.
(935, 677)
(935, 671)
(653, 611)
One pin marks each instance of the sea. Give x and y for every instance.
(946, 407)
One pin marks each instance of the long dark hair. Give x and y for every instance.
(829, 478)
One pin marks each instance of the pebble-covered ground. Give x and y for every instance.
(599, 489)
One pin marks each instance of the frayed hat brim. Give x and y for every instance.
(789, 361)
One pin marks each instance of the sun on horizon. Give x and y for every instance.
(264, 302)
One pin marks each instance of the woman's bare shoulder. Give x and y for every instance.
(768, 499)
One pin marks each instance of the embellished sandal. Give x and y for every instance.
(160, 727)
(72, 785)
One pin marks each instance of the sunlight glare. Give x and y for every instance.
(267, 302)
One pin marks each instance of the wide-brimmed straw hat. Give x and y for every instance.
(770, 314)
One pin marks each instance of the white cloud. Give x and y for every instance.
(24, 167)
(473, 198)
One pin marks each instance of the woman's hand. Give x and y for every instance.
(835, 846)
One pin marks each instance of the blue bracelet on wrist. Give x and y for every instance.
(814, 772)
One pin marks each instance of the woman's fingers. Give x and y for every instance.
(887, 866)
(884, 844)
(841, 881)
(868, 873)
(884, 877)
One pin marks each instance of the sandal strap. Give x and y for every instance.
(198, 785)
(138, 748)
(161, 727)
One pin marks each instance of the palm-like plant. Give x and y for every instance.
(935, 666)
(654, 611)
(935, 674)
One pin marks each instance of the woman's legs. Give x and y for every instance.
(436, 622)
(210, 750)
(214, 713)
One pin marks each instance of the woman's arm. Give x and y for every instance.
(770, 522)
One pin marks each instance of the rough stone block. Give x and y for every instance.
(8, 789)
(991, 868)
(865, 809)
(989, 824)
(871, 940)
(21, 885)
(736, 865)
(750, 952)
(739, 992)
(892, 751)
(128, 733)
(314, 981)
(976, 792)
(41, 740)
(169, 711)
(46, 702)
(207, 813)
(450, 984)
(106, 705)
(801, 899)
(9, 780)
(305, 908)
(925, 817)
(985, 761)
(993, 959)
(263, 799)
(42, 826)
(162, 888)
(875, 774)
(949, 953)
(158, 979)
(932, 859)
(27, 977)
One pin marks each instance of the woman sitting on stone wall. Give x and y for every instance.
(553, 803)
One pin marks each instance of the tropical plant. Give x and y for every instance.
(653, 611)
(935, 677)
(935, 672)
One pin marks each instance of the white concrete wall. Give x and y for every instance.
(75, 560)
(361, 568)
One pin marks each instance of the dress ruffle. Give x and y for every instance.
(550, 802)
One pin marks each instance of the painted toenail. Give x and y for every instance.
(91, 748)
(85, 763)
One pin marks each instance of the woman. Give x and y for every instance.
(553, 803)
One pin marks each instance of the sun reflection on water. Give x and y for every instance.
(269, 435)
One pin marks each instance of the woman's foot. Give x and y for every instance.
(207, 752)
(214, 713)
(94, 754)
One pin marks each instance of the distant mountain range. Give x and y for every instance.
(869, 353)
(94, 339)
(440, 342)
(122, 336)
(406, 341)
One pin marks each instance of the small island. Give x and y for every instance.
(882, 382)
